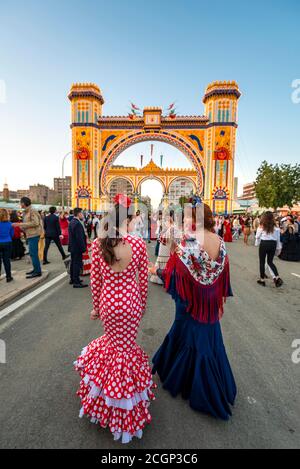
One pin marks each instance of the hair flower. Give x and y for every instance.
(123, 200)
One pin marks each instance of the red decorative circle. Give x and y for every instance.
(83, 154)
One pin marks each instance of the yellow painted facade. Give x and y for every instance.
(208, 141)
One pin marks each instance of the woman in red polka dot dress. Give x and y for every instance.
(116, 379)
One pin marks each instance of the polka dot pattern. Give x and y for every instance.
(114, 364)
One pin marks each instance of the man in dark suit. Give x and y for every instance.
(52, 233)
(77, 246)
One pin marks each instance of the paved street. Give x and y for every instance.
(38, 405)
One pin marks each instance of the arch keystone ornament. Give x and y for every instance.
(208, 141)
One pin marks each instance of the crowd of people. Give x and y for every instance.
(231, 227)
(36, 231)
(33, 231)
(116, 384)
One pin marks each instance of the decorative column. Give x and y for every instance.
(86, 106)
(220, 102)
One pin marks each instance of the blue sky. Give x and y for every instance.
(151, 53)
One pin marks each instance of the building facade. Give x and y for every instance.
(64, 184)
(7, 194)
(248, 191)
(208, 141)
(120, 186)
(22, 193)
(181, 187)
(41, 194)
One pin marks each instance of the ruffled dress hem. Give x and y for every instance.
(115, 388)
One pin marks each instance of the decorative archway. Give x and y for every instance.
(194, 156)
(137, 175)
(208, 140)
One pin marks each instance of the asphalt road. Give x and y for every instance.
(38, 405)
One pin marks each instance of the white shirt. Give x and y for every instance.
(262, 235)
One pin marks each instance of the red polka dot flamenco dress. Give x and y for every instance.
(116, 379)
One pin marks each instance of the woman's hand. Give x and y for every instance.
(152, 269)
(94, 315)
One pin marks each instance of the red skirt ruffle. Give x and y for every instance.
(115, 389)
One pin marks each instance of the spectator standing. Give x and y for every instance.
(247, 229)
(71, 215)
(52, 233)
(290, 238)
(18, 249)
(64, 226)
(256, 223)
(33, 229)
(236, 228)
(268, 240)
(227, 236)
(89, 226)
(6, 236)
(95, 226)
(77, 246)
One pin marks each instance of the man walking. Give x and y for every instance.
(52, 233)
(77, 246)
(33, 229)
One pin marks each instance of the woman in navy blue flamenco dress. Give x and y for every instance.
(192, 360)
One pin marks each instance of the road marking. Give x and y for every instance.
(296, 275)
(31, 295)
(251, 400)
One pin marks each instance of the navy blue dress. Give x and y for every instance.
(192, 360)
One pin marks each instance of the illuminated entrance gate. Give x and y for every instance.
(136, 177)
(208, 141)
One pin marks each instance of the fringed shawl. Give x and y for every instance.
(200, 282)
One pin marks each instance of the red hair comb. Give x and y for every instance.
(122, 199)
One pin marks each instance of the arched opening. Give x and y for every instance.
(120, 185)
(123, 149)
(180, 187)
(152, 192)
(146, 169)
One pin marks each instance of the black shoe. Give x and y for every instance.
(80, 285)
(34, 275)
(261, 282)
(30, 273)
(71, 282)
(46, 262)
(278, 282)
(9, 279)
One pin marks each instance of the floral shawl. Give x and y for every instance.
(201, 282)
